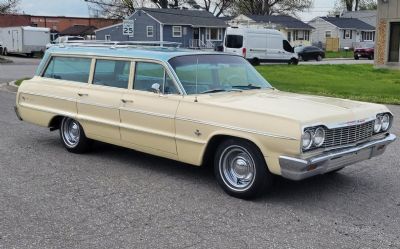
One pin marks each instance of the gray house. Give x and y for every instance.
(367, 16)
(350, 31)
(191, 28)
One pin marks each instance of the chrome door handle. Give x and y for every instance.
(126, 101)
(83, 94)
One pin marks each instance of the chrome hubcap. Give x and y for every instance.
(71, 132)
(237, 168)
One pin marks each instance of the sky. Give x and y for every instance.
(79, 8)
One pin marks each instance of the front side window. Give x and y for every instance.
(147, 74)
(216, 73)
(112, 73)
(214, 34)
(177, 31)
(69, 68)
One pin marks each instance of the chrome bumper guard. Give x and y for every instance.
(299, 169)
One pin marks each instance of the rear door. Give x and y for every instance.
(234, 44)
(99, 102)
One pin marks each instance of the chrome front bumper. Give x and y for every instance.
(298, 169)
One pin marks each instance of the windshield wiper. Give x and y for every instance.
(249, 86)
(217, 90)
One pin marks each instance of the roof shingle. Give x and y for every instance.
(196, 18)
(283, 20)
(348, 23)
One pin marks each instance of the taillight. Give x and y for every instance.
(244, 52)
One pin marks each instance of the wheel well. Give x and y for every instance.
(55, 123)
(215, 141)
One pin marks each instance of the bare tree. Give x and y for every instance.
(216, 7)
(355, 5)
(8, 6)
(117, 9)
(269, 7)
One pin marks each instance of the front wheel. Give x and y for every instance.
(73, 137)
(5, 52)
(319, 58)
(240, 169)
(293, 61)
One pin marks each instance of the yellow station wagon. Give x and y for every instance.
(196, 107)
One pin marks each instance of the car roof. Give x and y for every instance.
(155, 53)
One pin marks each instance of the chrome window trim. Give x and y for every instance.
(262, 133)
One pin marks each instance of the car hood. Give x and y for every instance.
(307, 109)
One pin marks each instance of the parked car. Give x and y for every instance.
(1, 48)
(24, 40)
(259, 45)
(366, 50)
(198, 107)
(310, 53)
(64, 39)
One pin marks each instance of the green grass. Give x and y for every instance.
(340, 54)
(18, 82)
(357, 82)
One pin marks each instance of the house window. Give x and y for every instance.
(347, 34)
(213, 34)
(176, 31)
(328, 34)
(107, 38)
(307, 35)
(150, 31)
(289, 36)
(368, 36)
(295, 35)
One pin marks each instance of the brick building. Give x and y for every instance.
(57, 24)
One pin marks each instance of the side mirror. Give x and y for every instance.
(156, 88)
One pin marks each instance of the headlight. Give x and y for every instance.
(319, 137)
(378, 124)
(306, 140)
(385, 122)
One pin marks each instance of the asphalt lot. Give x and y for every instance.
(119, 198)
(22, 67)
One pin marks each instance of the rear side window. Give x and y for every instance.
(234, 41)
(112, 73)
(69, 68)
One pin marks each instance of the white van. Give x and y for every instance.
(259, 45)
(24, 40)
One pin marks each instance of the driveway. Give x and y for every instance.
(21, 67)
(118, 198)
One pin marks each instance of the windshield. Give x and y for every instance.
(216, 73)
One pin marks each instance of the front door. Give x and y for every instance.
(148, 112)
(99, 102)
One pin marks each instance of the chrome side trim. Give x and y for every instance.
(148, 113)
(49, 96)
(98, 105)
(267, 134)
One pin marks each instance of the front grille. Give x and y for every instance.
(348, 135)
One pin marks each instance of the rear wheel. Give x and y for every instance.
(73, 136)
(240, 169)
(319, 58)
(356, 57)
(371, 57)
(255, 62)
